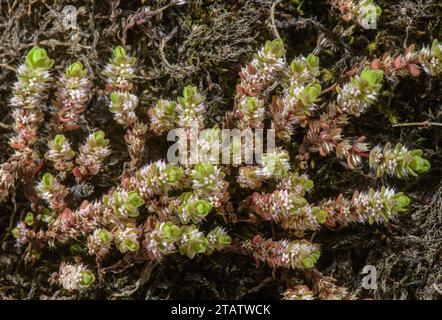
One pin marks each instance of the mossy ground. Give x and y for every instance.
(205, 43)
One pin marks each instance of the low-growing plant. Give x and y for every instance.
(160, 209)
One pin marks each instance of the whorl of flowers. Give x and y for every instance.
(251, 113)
(22, 161)
(374, 206)
(262, 71)
(274, 165)
(156, 178)
(167, 238)
(74, 277)
(209, 184)
(120, 71)
(298, 102)
(191, 209)
(352, 152)
(296, 107)
(289, 209)
(397, 161)
(135, 138)
(72, 96)
(431, 58)
(99, 242)
(123, 204)
(126, 239)
(123, 105)
(163, 116)
(287, 254)
(52, 191)
(360, 92)
(91, 156)
(190, 108)
(287, 205)
(60, 153)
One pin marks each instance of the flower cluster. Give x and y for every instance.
(167, 238)
(289, 209)
(74, 277)
(255, 78)
(120, 71)
(288, 254)
(251, 112)
(360, 92)
(397, 161)
(366, 12)
(431, 58)
(299, 99)
(287, 205)
(99, 242)
(60, 153)
(262, 70)
(52, 191)
(374, 206)
(208, 183)
(72, 96)
(162, 116)
(92, 155)
(156, 178)
(187, 112)
(126, 239)
(190, 209)
(122, 204)
(274, 165)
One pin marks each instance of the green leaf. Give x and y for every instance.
(119, 52)
(59, 140)
(312, 61)
(401, 202)
(419, 164)
(37, 59)
(29, 219)
(47, 181)
(132, 245)
(135, 199)
(174, 174)
(372, 76)
(170, 231)
(75, 70)
(87, 278)
(202, 207)
(16, 232)
(321, 215)
(104, 236)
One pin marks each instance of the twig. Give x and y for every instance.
(272, 18)
(418, 124)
